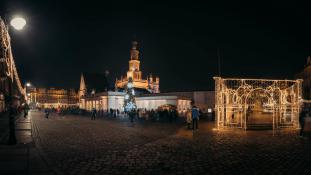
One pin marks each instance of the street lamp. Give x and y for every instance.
(27, 85)
(18, 23)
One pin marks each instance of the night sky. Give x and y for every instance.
(177, 41)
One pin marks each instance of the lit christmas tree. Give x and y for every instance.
(129, 100)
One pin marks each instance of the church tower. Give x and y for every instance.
(134, 63)
(150, 85)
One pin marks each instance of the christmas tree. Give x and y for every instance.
(129, 100)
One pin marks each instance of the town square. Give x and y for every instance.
(154, 88)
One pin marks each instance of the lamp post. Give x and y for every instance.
(18, 23)
(27, 85)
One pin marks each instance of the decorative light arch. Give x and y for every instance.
(233, 97)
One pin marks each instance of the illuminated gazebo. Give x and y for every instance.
(242, 102)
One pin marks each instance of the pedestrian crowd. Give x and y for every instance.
(169, 114)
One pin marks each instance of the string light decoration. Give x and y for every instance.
(129, 100)
(235, 98)
(7, 60)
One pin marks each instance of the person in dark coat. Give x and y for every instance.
(47, 113)
(26, 109)
(93, 115)
(195, 117)
(132, 115)
(118, 112)
(111, 112)
(170, 115)
(302, 116)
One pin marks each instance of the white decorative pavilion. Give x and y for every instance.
(239, 102)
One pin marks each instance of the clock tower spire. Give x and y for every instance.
(134, 63)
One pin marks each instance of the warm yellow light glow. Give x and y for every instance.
(18, 23)
(236, 100)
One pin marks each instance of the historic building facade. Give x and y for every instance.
(53, 98)
(305, 74)
(103, 101)
(95, 91)
(151, 84)
(92, 83)
(115, 100)
(205, 100)
(11, 89)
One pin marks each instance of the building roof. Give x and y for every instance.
(96, 81)
(138, 91)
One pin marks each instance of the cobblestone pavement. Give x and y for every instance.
(23, 157)
(78, 145)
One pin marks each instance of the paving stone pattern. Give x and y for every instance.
(78, 145)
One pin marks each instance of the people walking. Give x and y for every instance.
(47, 113)
(114, 113)
(111, 112)
(170, 115)
(302, 116)
(93, 114)
(118, 112)
(131, 115)
(188, 118)
(26, 109)
(195, 117)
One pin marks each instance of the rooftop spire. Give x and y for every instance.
(134, 51)
(134, 45)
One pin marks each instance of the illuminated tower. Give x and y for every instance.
(150, 84)
(134, 63)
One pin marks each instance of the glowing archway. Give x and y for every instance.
(236, 99)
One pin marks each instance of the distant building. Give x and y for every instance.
(48, 98)
(205, 100)
(95, 92)
(150, 84)
(114, 100)
(305, 74)
(92, 83)
(103, 101)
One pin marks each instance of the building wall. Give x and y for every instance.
(153, 102)
(115, 100)
(204, 100)
(103, 101)
(305, 74)
(52, 97)
(2, 103)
